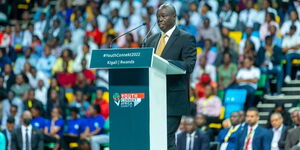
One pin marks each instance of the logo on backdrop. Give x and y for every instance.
(126, 100)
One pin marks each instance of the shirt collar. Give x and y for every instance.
(279, 129)
(169, 33)
(28, 127)
(254, 127)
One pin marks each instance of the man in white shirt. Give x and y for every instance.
(278, 129)
(40, 26)
(26, 137)
(261, 15)
(291, 47)
(228, 17)
(247, 16)
(293, 20)
(247, 78)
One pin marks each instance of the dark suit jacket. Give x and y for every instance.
(281, 142)
(262, 139)
(201, 141)
(276, 58)
(292, 138)
(233, 139)
(181, 50)
(37, 140)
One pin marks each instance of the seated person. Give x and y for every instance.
(247, 78)
(269, 60)
(201, 124)
(94, 123)
(38, 121)
(54, 129)
(228, 137)
(210, 105)
(103, 104)
(226, 72)
(201, 68)
(74, 128)
(80, 103)
(291, 48)
(200, 87)
(192, 139)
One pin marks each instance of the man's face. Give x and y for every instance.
(252, 117)
(190, 127)
(294, 118)
(165, 19)
(10, 126)
(234, 119)
(276, 121)
(200, 121)
(242, 116)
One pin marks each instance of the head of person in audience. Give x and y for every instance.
(86, 48)
(126, 22)
(226, 58)
(208, 44)
(270, 17)
(249, 5)
(186, 17)
(200, 120)
(193, 7)
(294, 117)
(273, 30)
(190, 125)
(182, 124)
(206, 23)
(17, 28)
(47, 50)
(2, 52)
(79, 96)
(56, 23)
(27, 52)
(269, 40)
(293, 30)
(83, 64)
(129, 38)
(227, 6)
(248, 62)
(13, 110)
(54, 97)
(205, 8)
(226, 44)
(242, 116)
(56, 113)
(7, 69)
(249, 47)
(84, 145)
(276, 120)
(19, 79)
(31, 94)
(66, 55)
(249, 31)
(166, 17)
(99, 94)
(10, 124)
(40, 83)
(235, 118)
(54, 83)
(205, 79)
(80, 80)
(36, 111)
(209, 91)
(279, 108)
(226, 123)
(294, 15)
(26, 118)
(94, 110)
(27, 68)
(74, 113)
(8, 29)
(10, 95)
(252, 116)
(267, 4)
(202, 61)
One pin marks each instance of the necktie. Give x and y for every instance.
(248, 139)
(190, 143)
(26, 140)
(162, 44)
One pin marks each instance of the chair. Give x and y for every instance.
(261, 85)
(234, 100)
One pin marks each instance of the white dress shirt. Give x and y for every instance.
(248, 17)
(289, 41)
(285, 28)
(251, 137)
(276, 137)
(190, 138)
(23, 128)
(229, 19)
(169, 33)
(248, 74)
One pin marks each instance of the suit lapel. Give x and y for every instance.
(156, 42)
(20, 137)
(195, 144)
(170, 42)
(184, 140)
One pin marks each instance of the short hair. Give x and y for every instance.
(253, 109)
(189, 119)
(74, 109)
(10, 120)
(14, 105)
(277, 114)
(293, 27)
(170, 7)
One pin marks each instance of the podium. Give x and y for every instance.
(137, 97)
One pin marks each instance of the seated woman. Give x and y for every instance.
(54, 129)
(210, 105)
(226, 72)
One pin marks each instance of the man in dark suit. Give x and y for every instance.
(10, 126)
(192, 139)
(229, 137)
(179, 48)
(293, 136)
(279, 131)
(26, 137)
(254, 137)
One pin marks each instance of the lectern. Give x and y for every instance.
(137, 97)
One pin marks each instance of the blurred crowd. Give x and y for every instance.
(45, 51)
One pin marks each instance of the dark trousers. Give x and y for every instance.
(289, 58)
(278, 72)
(172, 126)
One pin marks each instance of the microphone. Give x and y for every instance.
(125, 34)
(146, 37)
